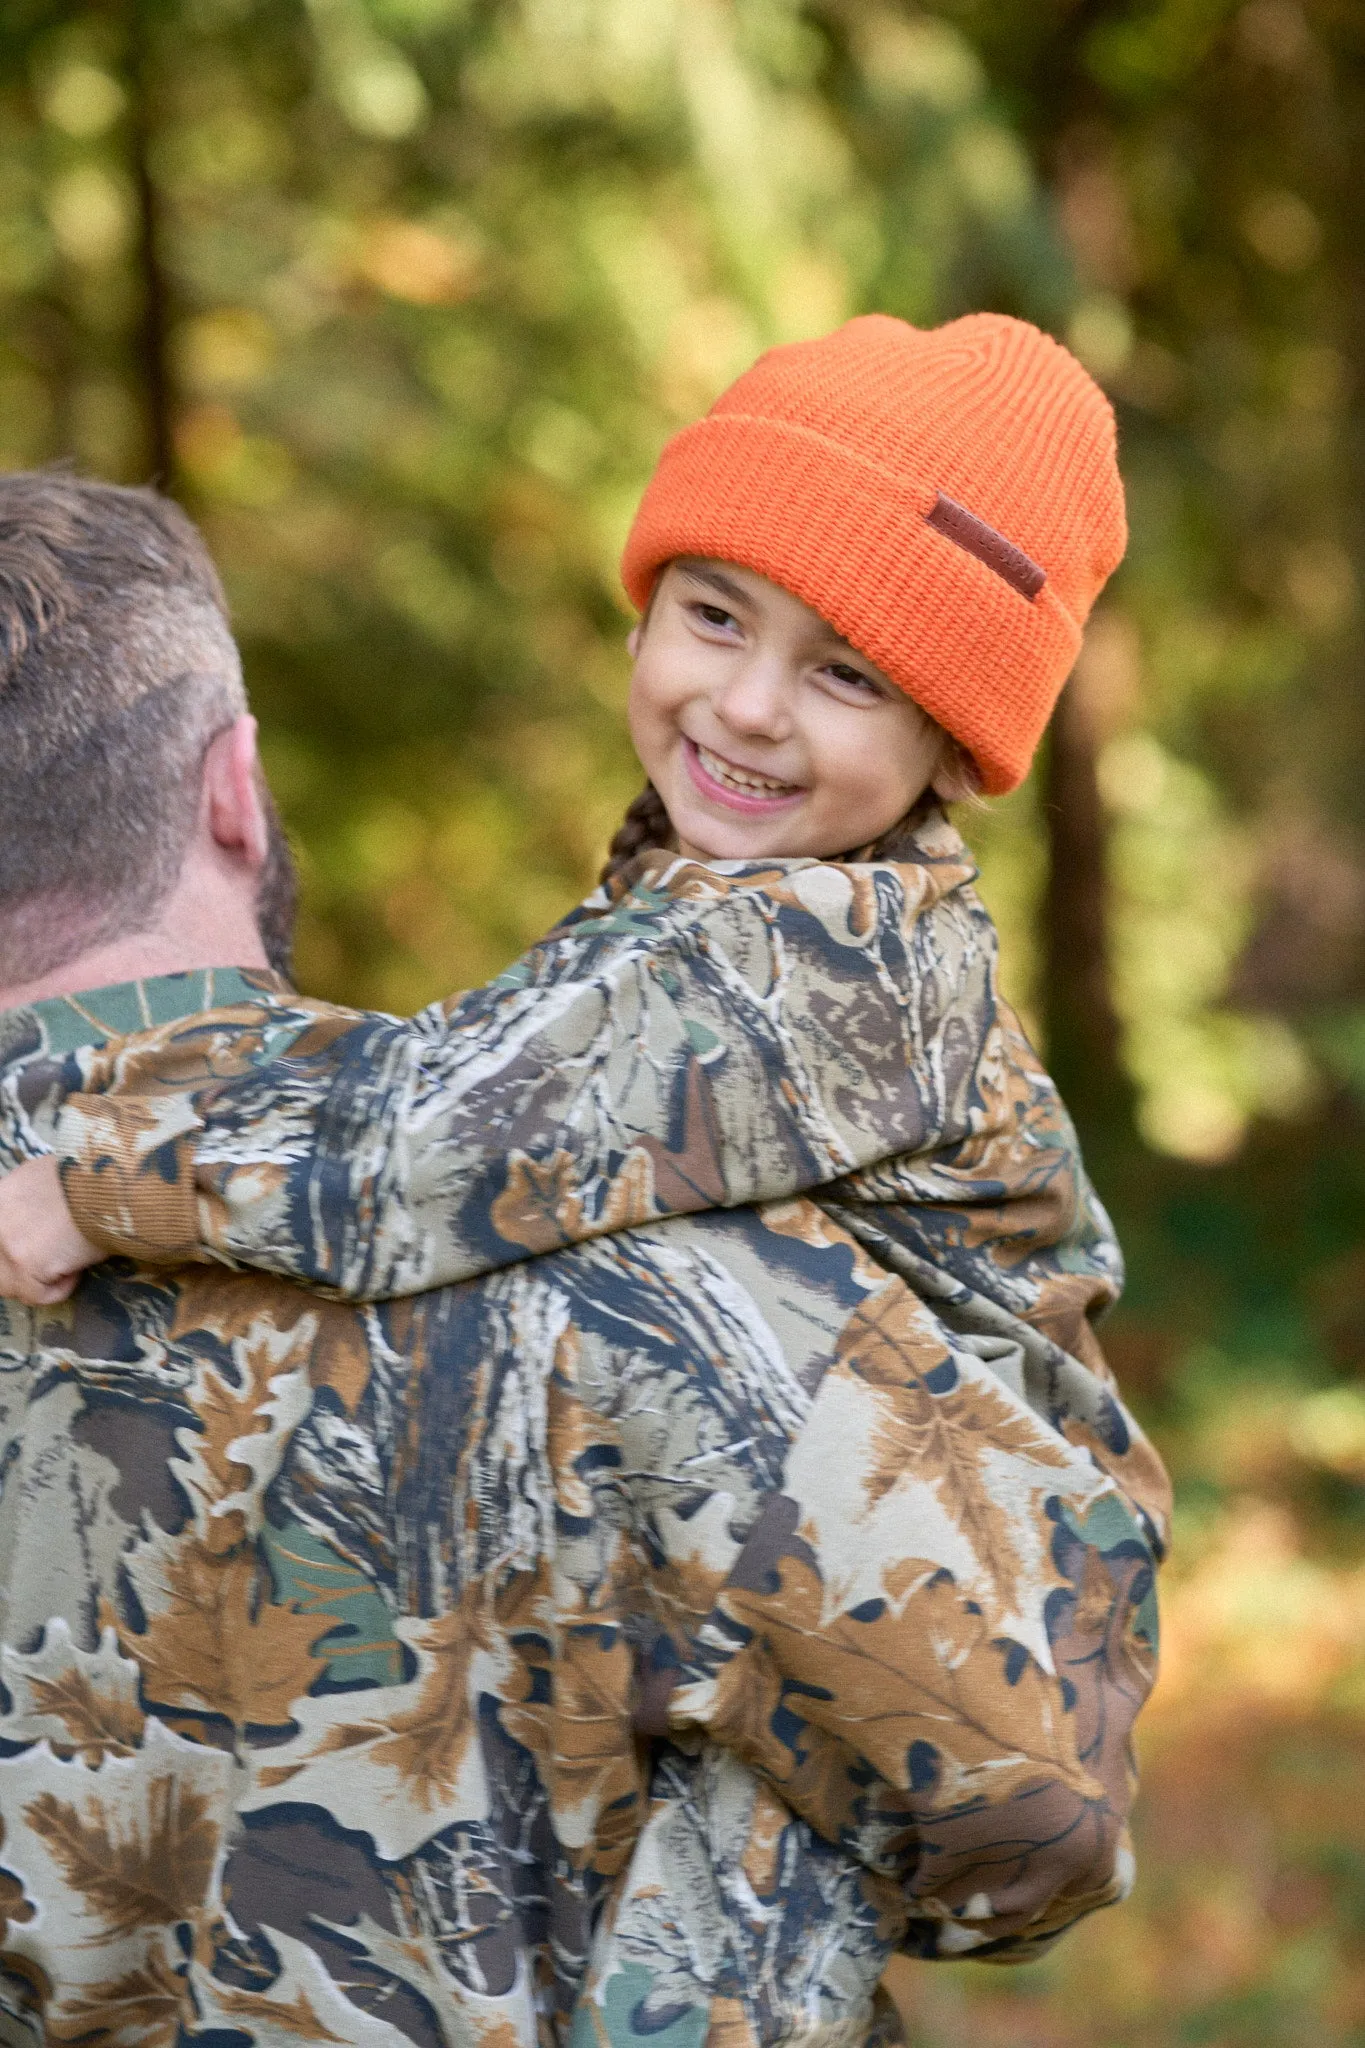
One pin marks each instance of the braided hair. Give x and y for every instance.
(645, 826)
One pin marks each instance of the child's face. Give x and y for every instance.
(765, 733)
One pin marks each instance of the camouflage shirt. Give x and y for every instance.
(330, 1631)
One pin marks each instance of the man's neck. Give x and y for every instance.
(137, 957)
(207, 920)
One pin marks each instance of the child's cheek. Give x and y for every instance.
(642, 722)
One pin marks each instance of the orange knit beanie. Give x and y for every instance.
(948, 499)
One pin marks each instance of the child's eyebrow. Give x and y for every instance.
(715, 579)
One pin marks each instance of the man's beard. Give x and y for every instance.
(277, 893)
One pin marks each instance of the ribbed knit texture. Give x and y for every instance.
(820, 466)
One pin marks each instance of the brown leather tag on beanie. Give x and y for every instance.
(973, 535)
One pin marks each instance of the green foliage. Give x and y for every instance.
(405, 296)
(441, 279)
(438, 277)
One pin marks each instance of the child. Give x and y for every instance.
(919, 1608)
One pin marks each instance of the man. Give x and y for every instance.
(326, 1627)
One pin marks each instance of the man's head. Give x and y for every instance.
(118, 678)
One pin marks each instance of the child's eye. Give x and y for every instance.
(853, 678)
(714, 615)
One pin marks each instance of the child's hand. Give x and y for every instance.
(42, 1254)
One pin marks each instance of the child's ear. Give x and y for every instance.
(633, 639)
(957, 778)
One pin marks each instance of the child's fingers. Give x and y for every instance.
(36, 1289)
(42, 1254)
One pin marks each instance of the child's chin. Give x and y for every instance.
(750, 845)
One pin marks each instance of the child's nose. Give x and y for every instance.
(755, 699)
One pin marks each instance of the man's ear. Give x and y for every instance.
(234, 811)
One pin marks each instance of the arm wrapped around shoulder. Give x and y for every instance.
(705, 1040)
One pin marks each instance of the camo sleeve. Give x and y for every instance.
(703, 1040)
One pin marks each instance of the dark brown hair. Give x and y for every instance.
(645, 825)
(117, 668)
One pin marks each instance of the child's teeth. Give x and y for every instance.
(741, 778)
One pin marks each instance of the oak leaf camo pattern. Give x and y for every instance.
(758, 1411)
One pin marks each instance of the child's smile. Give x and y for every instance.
(743, 788)
(764, 733)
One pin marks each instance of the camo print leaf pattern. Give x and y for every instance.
(359, 1614)
(696, 1037)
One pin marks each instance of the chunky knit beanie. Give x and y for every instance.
(948, 499)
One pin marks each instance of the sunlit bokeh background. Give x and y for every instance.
(402, 297)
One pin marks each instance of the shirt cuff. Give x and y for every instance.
(128, 1179)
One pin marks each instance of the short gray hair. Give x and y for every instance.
(117, 668)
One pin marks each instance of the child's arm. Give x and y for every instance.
(707, 1040)
(1005, 1238)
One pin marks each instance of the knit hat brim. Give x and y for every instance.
(783, 500)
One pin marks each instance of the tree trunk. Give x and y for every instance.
(152, 370)
(1082, 1028)
(49, 340)
(1343, 744)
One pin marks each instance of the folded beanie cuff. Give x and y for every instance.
(983, 659)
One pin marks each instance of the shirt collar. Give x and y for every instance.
(93, 1016)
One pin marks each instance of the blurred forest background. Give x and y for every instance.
(402, 297)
